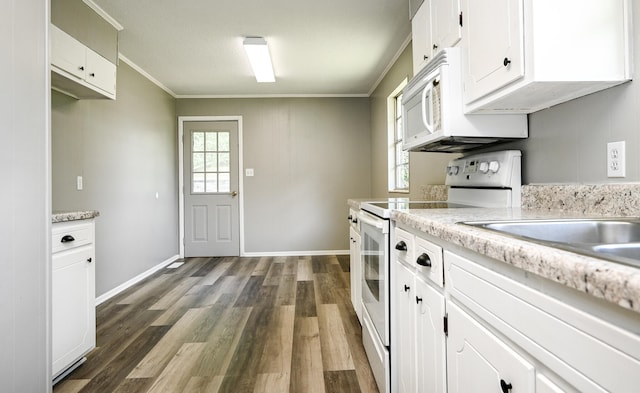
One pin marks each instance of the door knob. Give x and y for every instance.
(234, 193)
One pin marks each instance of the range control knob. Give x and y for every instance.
(452, 170)
(494, 166)
(483, 167)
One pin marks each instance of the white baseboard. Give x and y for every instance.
(295, 253)
(108, 295)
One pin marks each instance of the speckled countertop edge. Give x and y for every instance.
(73, 215)
(618, 284)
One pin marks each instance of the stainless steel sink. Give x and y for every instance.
(617, 240)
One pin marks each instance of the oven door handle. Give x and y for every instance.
(375, 223)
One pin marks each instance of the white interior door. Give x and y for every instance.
(211, 208)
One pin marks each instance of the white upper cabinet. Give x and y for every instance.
(435, 26)
(522, 56)
(421, 36)
(445, 21)
(79, 71)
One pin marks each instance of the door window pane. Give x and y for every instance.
(198, 141)
(210, 162)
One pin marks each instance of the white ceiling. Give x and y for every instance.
(318, 47)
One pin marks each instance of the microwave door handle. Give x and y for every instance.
(427, 123)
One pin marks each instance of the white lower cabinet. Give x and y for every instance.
(419, 352)
(478, 361)
(503, 330)
(430, 338)
(355, 271)
(404, 352)
(73, 293)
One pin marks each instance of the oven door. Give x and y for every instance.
(422, 110)
(375, 272)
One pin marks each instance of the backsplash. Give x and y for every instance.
(434, 192)
(601, 199)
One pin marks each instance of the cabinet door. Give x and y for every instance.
(101, 73)
(430, 339)
(421, 36)
(494, 45)
(67, 53)
(355, 272)
(73, 306)
(445, 24)
(478, 361)
(405, 353)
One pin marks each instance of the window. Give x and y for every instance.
(398, 159)
(210, 162)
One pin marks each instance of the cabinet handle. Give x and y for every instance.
(418, 300)
(81, 68)
(401, 246)
(425, 57)
(350, 217)
(355, 220)
(92, 74)
(89, 260)
(506, 62)
(424, 260)
(435, 46)
(407, 288)
(67, 239)
(506, 387)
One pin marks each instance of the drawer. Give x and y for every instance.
(428, 261)
(72, 234)
(403, 246)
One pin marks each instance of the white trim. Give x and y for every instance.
(108, 295)
(181, 120)
(391, 139)
(295, 253)
(362, 95)
(145, 74)
(103, 14)
(391, 63)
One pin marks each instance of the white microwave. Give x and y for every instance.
(433, 117)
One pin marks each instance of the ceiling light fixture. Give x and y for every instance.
(258, 54)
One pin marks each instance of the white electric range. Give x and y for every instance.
(475, 180)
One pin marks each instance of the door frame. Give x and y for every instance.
(181, 187)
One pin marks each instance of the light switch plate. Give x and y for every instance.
(248, 172)
(79, 183)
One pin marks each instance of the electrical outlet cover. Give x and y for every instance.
(616, 159)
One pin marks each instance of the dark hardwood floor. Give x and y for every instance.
(271, 324)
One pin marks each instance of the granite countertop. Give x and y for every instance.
(63, 216)
(616, 283)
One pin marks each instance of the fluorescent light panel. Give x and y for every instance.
(258, 54)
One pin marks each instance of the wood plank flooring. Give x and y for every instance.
(271, 324)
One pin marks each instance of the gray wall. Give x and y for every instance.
(25, 207)
(85, 25)
(424, 168)
(310, 155)
(126, 151)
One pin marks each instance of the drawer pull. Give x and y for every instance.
(506, 387)
(407, 288)
(89, 260)
(401, 246)
(424, 260)
(67, 239)
(418, 300)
